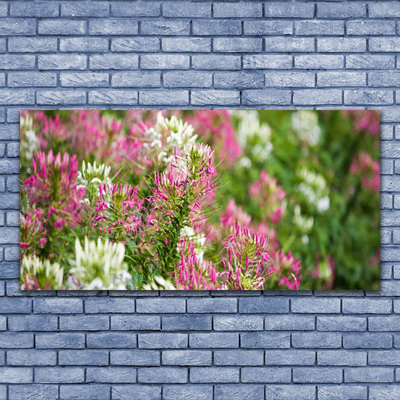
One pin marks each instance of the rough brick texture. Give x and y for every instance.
(207, 54)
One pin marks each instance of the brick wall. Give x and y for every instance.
(199, 345)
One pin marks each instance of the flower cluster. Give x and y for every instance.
(368, 169)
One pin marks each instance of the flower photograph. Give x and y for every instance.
(200, 200)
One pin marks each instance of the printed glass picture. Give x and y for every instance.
(200, 200)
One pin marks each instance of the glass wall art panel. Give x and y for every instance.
(200, 200)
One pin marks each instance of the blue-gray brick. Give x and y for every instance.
(289, 323)
(111, 375)
(109, 306)
(179, 392)
(237, 45)
(319, 61)
(83, 357)
(163, 375)
(324, 306)
(165, 28)
(373, 28)
(186, 357)
(214, 375)
(135, 9)
(60, 375)
(135, 322)
(238, 357)
(269, 27)
(84, 323)
(342, 78)
(342, 358)
(85, 9)
(136, 392)
(260, 96)
(261, 340)
(64, 97)
(16, 375)
(212, 62)
(135, 44)
(32, 45)
(82, 79)
(216, 27)
(369, 61)
(34, 9)
(345, 392)
(239, 392)
(384, 357)
(288, 10)
(186, 10)
(111, 340)
(62, 61)
(19, 26)
(264, 305)
(164, 61)
(290, 392)
(317, 27)
(89, 45)
(172, 98)
(214, 340)
(368, 374)
(317, 375)
(32, 323)
(384, 10)
(239, 10)
(367, 306)
(217, 97)
(341, 45)
(135, 357)
(112, 26)
(31, 357)
(290, 357)
(186, 79)
(10, 340)
(241, 323)
(61, 27)
(17, 61)
(98, 392)
(37, 392)
(321, 340)
(367, 341)
(163, 340)
(60, 340)
(368, 97)
(266, 375)
(341, 323)
(193, 45)
(187, 323)
(345, 10)
(290, 79)
(113, 61)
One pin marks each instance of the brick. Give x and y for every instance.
(341, 45)
(317, 375)
(386, 165)
(83, 79)
(113, 61)
(164, 61)
(59, 375)
(368, 97)
(16, 375)
(261, 61)
(64, 97)
(289, 79)
(289, 45)
(325, 306)
(178, 392)
(129, 9)
(135, 357)
(186, 357)
(36, 9)
(346, 10)
(319, 61)
(216, 27)
(136, 392)
(111, 26)
(369, 61)
(186, 79)
(31, 357)
(220, 97)
(32, 323)
(135, 322)
(212, 305)
(187, 323)
(163, 340)
(264, 305)
(214, 340)
(61, 27)
(369, 375)
(321, 340)
(98, 392)
(178, 98)
(85, 9)
(384, 79)
(16, 340)
(384, 357)
(19, 26)
(57, 306)
(18, 306)
(163, 375)
(214, 375)
(17, 61)
(99, 306)
(31, 45)
(110, 375)
(288, 10)
(138, 44)
(37, 392)
(290, 392)
(83, 357)
(342, 358)
(239, 10)
(386, 323)
(111, 340)
(341, 323)
(290, 357)
(367, 341)
(193, 45)
(367, 306)
(342, 78)
(269, 27)
(237, 45)
(275, 97)
(241, 323)
(165, 28)
(84, 323)
(318, 27)
(387, 44)
(32, 79)
(238, 357)
(345, 392)
(261, 375)
(370, 28)
(186, 10)
(289, 323)
(89, 45)
(232, 392)
(61, 61)
(384, 10)
(215, 62)
(265, 340)
(109, 96)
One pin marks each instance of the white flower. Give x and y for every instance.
(302, 222)
(323, 204)
(305, 125)
(198, 239)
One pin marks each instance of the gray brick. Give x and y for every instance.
(179, 392)
(109, 96)
(368, 374)
(31, 357)
(263, 375)
(239, 10)
(290, 392)
(98, 392)
(341, 323)
(317, 27)
(212, 305)
(286, 45)
(83, 79)
(265, 340)
(193, 45)
(113, 26)
(342, 78)
(288, 10)
(289, 323)
(373, 28)
(61, 61)
(186, 79)
(325, 306)
(264, 305)
(135, 322)
(187, 323)
(113, 61)
(111, 375)
(13, 151)
(37, 392)
(214, 375)
(163, 340)
(3, 9)
(16, 375)
(220, 97)
(17, 305)
(241, 323)
(137, 79)
(111, 340)
(17, 61)
(382, 79)
(345, 10)
(320, 340)
(61, 27)
(32, 79)
(214, 340)
(136, 392)
(162, 375)
(186, 10)
(135, 357)
(263, 61)
(368, 97)
(367, 341)
(238, 357)
(57, 306)
(164, 61)
(85, 9)
(16, 340)
(90, 45)
(341, 45)
(237, 45)
(289, 357)
(109, 306)
(84, 323)
(32, 45)
(64, 97)
(186, 357)
(342, 358)
(289, 79)
(83, 357)
(380, 392)
(317, 375)
(384, 10)
(384, 357)
(319, 61)
(269, 27)
(275, 97)
(135, 44)
(32, 323)
(345, 392)
(216, 27)
(19, 26)
(367, 306)
(59, 375)
(387, 44)
(369, 61)
(139, 9)
(387, 323)
(165, 28)
(178, 98)
(214, 62)
(34, 9)
(232, 392)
